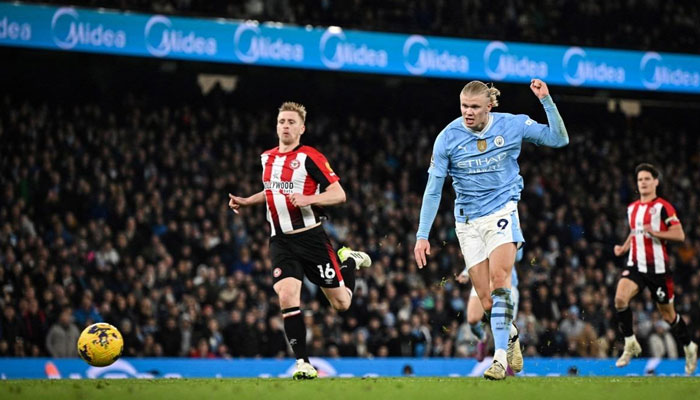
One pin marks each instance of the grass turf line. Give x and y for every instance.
(560, 388)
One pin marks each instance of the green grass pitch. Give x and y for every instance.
(560, 388)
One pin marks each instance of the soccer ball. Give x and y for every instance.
(100, 344)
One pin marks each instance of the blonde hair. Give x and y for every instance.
(296, 107)
(479, 88)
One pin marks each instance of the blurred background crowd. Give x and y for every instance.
(115, 174)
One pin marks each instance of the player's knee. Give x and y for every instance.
(668, 316)
(486, 302)
(473, 319)
(340, 304)
(621, 303)
(288, 297)
(499, 280)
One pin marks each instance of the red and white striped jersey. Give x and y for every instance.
(646, 252)
(303, 170)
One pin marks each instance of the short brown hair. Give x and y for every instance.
(649, 168)
(478, 87)
(296, 107)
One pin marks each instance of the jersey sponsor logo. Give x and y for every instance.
(481, 145)
(277, 272)
(283, 186)
(486, 164)
(294, 164)
(499, 141)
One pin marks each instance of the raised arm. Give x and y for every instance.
(555, 134)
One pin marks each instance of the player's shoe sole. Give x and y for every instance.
(362, 259)
(691, 358)
(633, 349)
(496, 372)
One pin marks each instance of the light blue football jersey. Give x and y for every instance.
(484, 165)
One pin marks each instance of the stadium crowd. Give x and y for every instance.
(119, 215)
(662, 25)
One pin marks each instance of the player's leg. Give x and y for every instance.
(479, 276)
(501, 261)
(335, 274)
(474, 252)
(289, 292)
(287, 276)
(514, 352)
(627, 288)
(350, 261)
(475, 315)
(663, 294)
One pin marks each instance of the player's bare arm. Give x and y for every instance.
(674, 233)
(624, 248)
(334, 194)
(420, 250)
(235, 202)
(559, 135)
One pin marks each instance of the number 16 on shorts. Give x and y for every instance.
(327, 273)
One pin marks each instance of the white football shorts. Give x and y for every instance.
(480, 236)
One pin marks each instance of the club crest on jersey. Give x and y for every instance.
(499, 141)
(294, 164)
(481, 145)
(652, 211)
(277, 272)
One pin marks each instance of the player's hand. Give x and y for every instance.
(618, 250)
(462, 278)
(648, 231)
(235, 203)
(299, 200)
(422, 248)
(539, 88)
